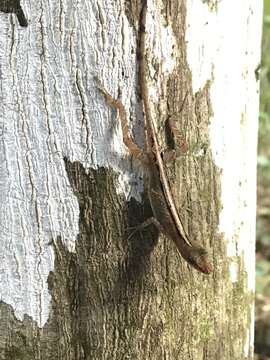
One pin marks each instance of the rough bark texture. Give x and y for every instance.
(117, 297)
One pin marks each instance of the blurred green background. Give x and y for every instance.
(262, 327)
(263, 189)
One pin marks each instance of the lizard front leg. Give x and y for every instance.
(150, 221)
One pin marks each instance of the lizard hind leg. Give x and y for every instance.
(133, 148)
(174, 137)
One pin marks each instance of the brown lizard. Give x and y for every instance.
(165, 216)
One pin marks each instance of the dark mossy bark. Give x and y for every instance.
(14, 7)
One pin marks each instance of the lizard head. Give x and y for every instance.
(199, 259)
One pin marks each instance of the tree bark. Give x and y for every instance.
(73, 283)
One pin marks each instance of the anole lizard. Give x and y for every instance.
(165, 216)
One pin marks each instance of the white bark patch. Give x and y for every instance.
(161, 44)
(50, 108)
(225, 45)
(160, 37)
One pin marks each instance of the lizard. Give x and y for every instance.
(165, 216)
(14, 6)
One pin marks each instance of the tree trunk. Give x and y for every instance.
(73, 283)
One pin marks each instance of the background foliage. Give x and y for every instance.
(263, 209)
(262, 341)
